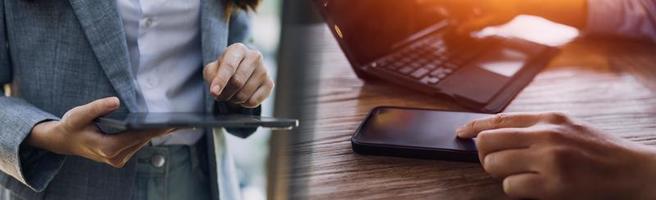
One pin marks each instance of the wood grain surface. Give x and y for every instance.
(610, 84)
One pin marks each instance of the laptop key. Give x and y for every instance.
(437, 72)
(406, 70)
(421, 72)
(426, 80)
(433, 80)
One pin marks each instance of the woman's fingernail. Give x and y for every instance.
(216, 90)
(114, 102)
(487, 160)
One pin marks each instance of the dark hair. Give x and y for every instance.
(249, 5)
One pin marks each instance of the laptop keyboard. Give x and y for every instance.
(429, 60)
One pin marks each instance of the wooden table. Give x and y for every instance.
(609, 84)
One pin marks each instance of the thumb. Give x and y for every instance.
(83, 115)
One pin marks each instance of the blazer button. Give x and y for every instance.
(158, 161)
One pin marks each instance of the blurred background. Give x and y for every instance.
(251, 154)
(264, 160)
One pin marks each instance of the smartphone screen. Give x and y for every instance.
(411, 130)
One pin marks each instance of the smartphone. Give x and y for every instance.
(415, 133)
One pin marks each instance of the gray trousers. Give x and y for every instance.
(172, 172)
(166, 173)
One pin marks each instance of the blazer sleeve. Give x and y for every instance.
(239, 31)
(32, 167)
(625, 18)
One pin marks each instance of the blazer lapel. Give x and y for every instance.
(214, 37)
(214, 30)
(104, 30)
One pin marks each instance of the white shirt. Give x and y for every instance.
(164, 43)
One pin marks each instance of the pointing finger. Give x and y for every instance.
(227, 67)
(503, 120)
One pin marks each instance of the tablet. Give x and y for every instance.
(118, 123)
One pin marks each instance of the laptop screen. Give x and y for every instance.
(369, 29)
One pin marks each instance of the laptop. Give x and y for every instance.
(412, 44)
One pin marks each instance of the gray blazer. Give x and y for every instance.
(58, 54)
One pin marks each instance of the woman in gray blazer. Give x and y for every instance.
(71, 61)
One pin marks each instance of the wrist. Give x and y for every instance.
(44, 136)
